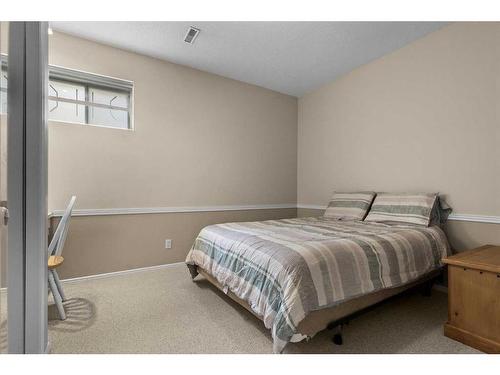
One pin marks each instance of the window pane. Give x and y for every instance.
(108, 97)
(63, 111)
(66, 90)
(108, 117)
(67, 112)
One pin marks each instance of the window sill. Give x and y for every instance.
(91, 125)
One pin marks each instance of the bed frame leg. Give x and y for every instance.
(427, 289)
(337, 339)
(337, 336)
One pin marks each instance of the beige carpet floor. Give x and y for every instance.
(163, 311)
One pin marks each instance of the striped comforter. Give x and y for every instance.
(287, 268)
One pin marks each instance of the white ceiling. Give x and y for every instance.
(289, 57)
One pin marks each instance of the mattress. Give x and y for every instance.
(286, 269)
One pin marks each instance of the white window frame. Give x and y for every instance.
(92, 80)
(89, 80)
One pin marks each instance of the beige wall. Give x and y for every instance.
(199, 139)
(423, 118)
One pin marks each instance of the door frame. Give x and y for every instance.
(27, 187)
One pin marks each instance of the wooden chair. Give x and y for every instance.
(55, 258)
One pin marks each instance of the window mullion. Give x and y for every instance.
(87, 120)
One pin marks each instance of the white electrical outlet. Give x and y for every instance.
(168, 244)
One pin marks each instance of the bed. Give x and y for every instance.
(297, 275)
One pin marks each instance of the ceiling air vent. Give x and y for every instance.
(191, 35)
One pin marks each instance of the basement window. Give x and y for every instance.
(82, 98)
(85, 98)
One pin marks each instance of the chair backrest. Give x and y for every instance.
(57, 243)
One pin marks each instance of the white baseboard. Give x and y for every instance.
(311, 206)
(113, 274)
(119, 273)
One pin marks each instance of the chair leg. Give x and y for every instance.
(59, 285)
(57, 297)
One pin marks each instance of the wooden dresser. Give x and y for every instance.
(474, 298)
